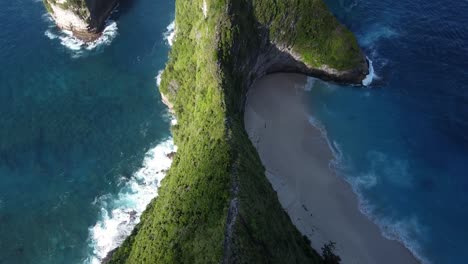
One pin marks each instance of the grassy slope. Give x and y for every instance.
(205, 80)
(186, 223)
(312, 31)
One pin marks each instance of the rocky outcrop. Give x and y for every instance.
(84, 18)
(215, 204)
(273, 57)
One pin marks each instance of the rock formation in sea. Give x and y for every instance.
(215, 204)
(84, 18)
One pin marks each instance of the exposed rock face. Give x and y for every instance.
(273, 53)
(84, 18)
(216, 205)
(275, 57)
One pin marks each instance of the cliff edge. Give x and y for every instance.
(84, 18)
(215, 204)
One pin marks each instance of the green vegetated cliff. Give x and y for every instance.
(215, 204)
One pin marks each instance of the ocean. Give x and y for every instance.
(84, 135)
(402, 142)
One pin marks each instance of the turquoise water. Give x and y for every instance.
(84, 136)
(77, 125)
(402, 144)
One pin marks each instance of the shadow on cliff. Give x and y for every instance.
(258, 56)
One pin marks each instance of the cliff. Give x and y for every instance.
(215, 204)
(84, 18)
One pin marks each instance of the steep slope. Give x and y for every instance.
(84, 18)
(216, 205)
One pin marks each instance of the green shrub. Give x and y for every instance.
(205, 79)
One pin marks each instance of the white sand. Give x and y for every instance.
(297, 158)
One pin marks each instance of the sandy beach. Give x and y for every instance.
(296, 157)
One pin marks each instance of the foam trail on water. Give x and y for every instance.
(120, 213)
(158, 77)
(170, 34)
(333, 146)
(109, 33)
(78, 47)
(370, 77)
(310, 84)
(403, 230)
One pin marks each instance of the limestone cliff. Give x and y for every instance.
(215, 204)
(84, 18)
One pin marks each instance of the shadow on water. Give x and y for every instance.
(125, 6)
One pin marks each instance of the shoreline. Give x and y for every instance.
(323, 207)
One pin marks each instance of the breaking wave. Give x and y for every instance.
(77, 47)
(405, 230)
(121, 213)
(370, 77)
(170, 34)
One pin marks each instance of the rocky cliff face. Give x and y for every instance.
(84, 18)
(215, 204)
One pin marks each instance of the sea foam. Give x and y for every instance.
(170, 34)
(403, 230)
(310, 84)
(158, 78)
(370, 77)
(77, 47)
(120, 213)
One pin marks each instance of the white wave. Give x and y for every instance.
(158, 77)
(370, 77)
(404, 231)
(170, 34)
(109, 34)
(366, 181)
(120, 214)
(76, 46)
(334, 147)
(317, 124)
(50, 35)
(310, 84)
(69, 41)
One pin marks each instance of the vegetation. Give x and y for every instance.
(311, 30)
(206, 79)
(328, 253)
(47, 6)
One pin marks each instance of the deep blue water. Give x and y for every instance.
(74, 129)
(77, 126)
(404, 142)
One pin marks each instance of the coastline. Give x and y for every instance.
(296, 157)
